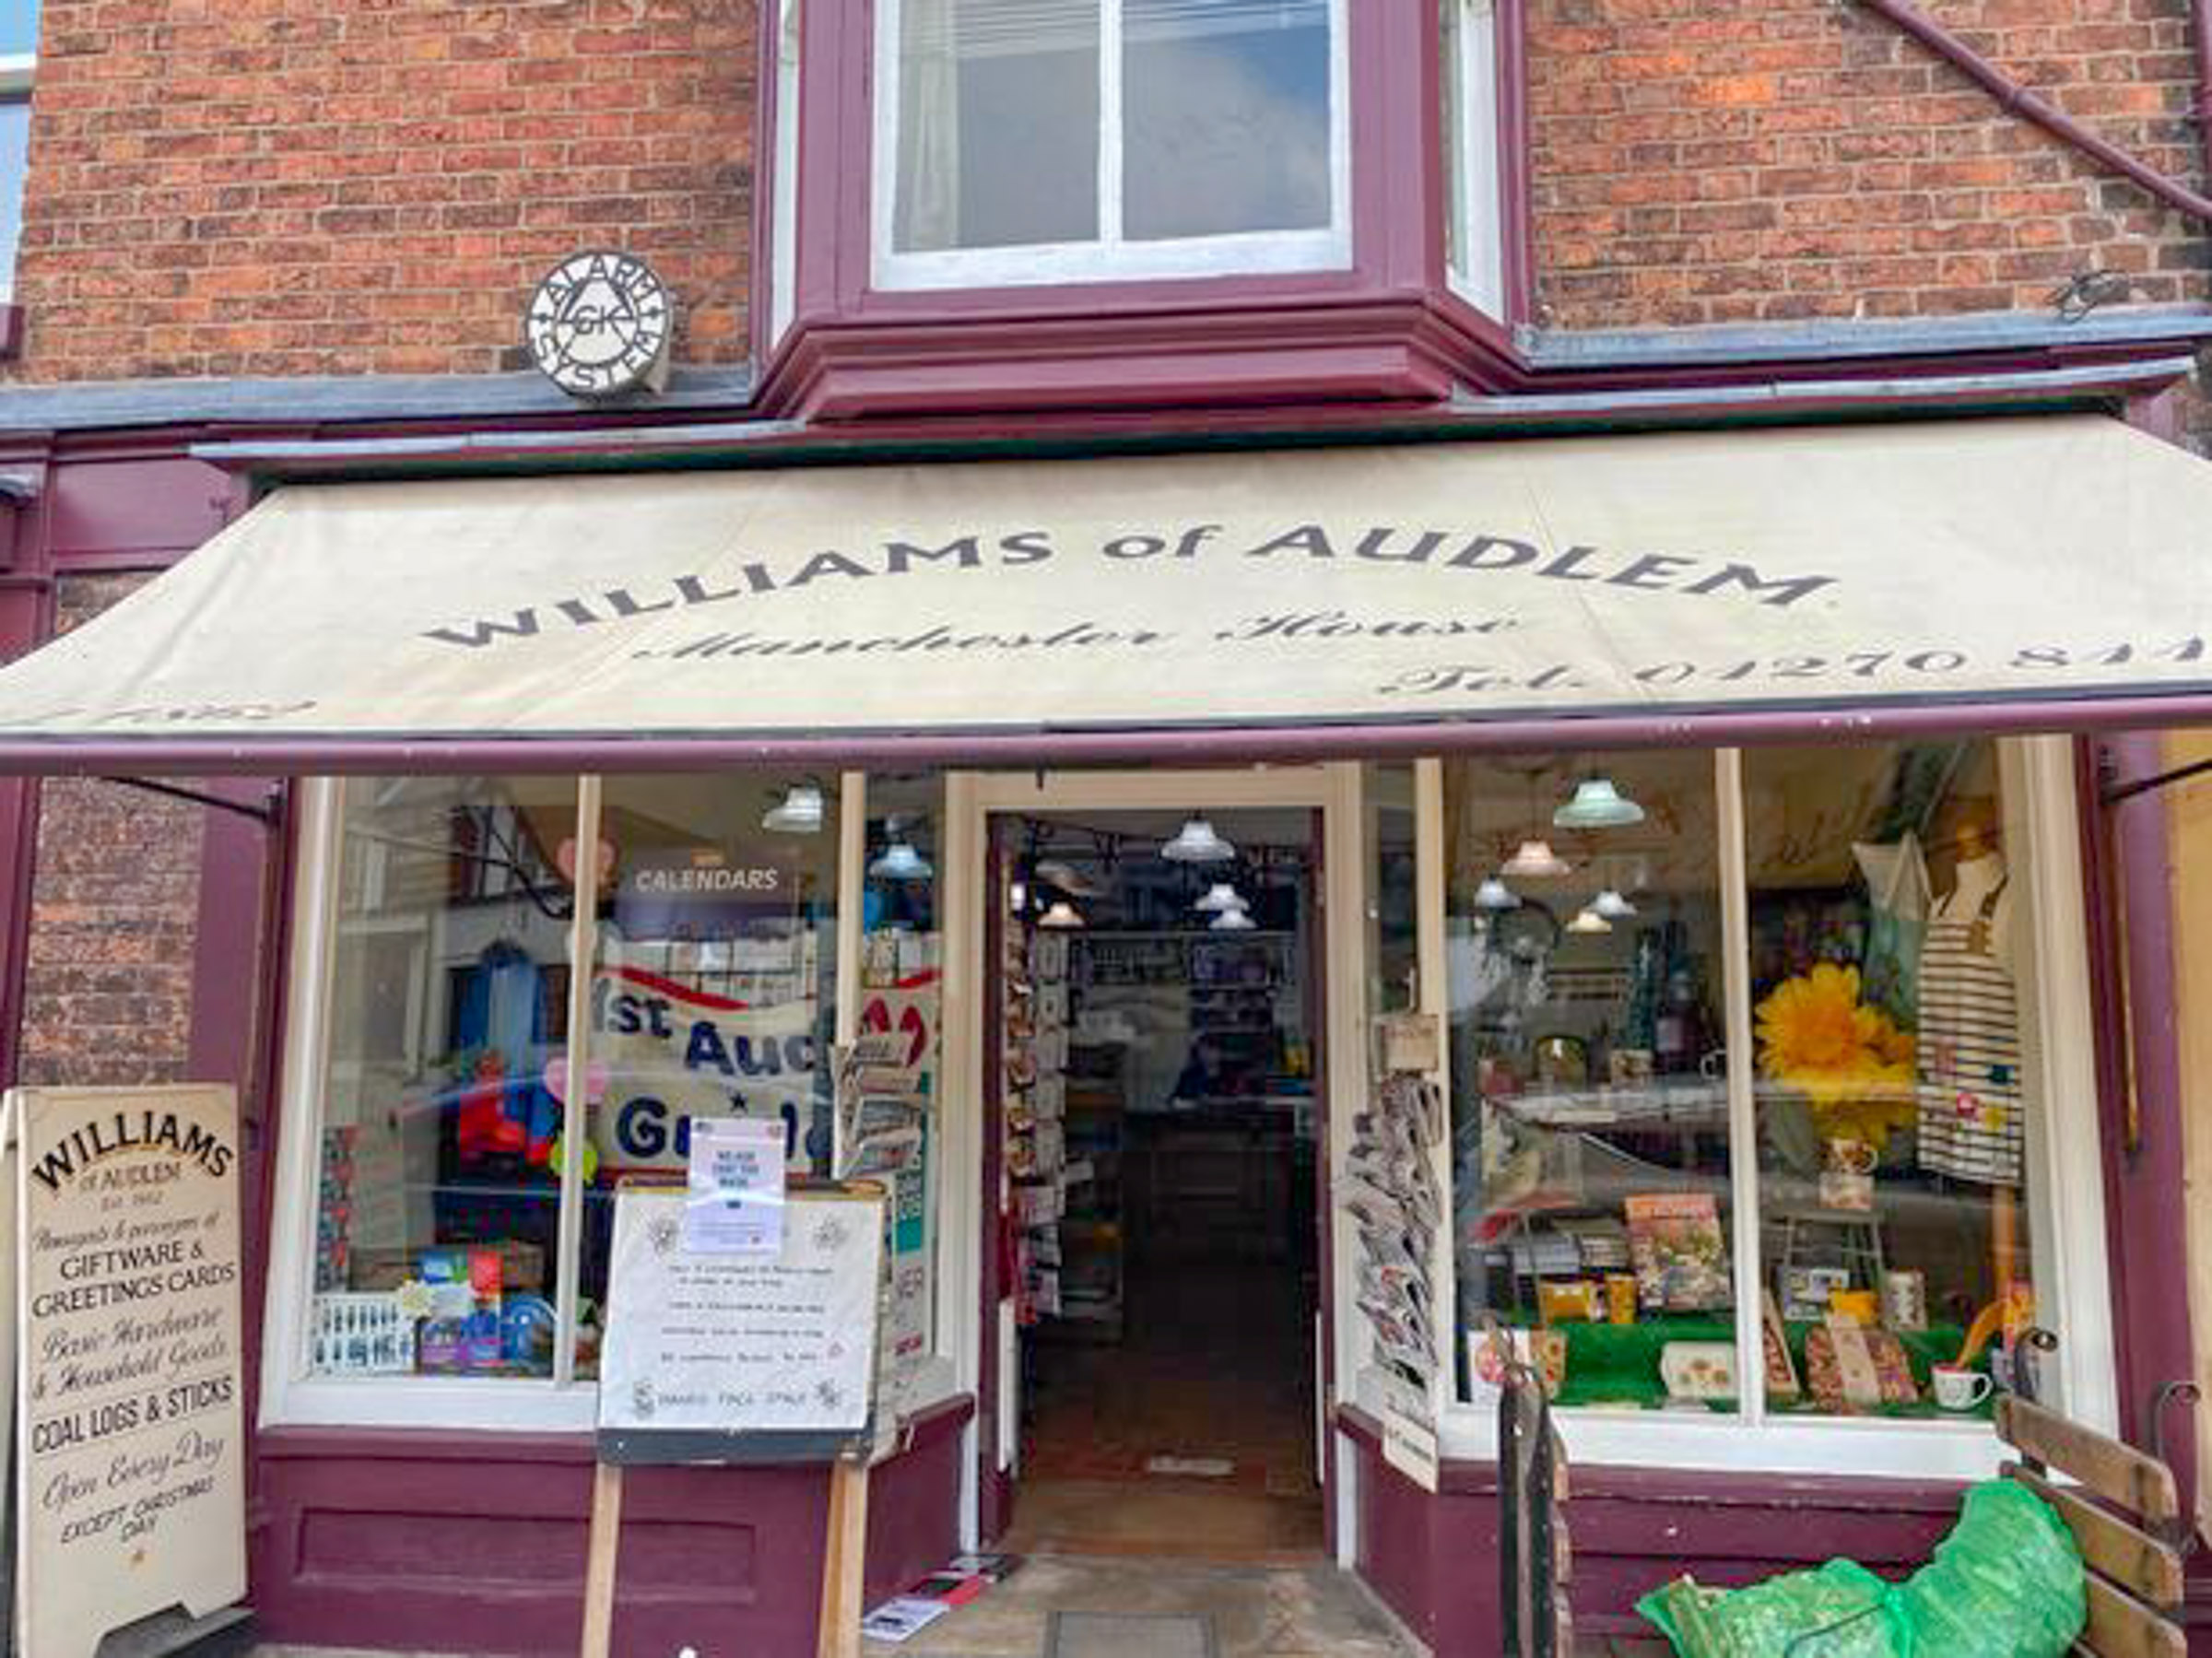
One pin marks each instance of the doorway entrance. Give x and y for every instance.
(1160, 1114)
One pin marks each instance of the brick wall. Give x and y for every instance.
(311, 186)
(107, 994)
(1736, 161)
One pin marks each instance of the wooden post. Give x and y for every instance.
(599, 1562)
(844, 1564)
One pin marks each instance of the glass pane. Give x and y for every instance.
(998, 123)
(1589, 1077)
(714, 993)
(438, 1196)
(1225, 116)
(901, 995)
(1452, 22)
(1895, 1074)
(1393, 938)
(19, 26)
(15, 139)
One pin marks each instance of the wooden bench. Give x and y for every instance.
(2125, 1513)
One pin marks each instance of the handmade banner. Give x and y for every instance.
(130, 1476)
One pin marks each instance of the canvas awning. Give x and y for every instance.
(2057, 563)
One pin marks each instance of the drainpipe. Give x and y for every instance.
(2018, 99)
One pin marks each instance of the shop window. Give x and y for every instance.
(783, 191)
(438, 1203)
(1394, 934)
(1591, 1150)
(901, 997)
(1473, 234)
(1892, 983)
(442, 1227)
(1769, 1144)
(1023, 143)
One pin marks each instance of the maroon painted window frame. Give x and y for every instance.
(1388, 330)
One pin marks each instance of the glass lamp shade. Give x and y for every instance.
(1233, 920)
(1494, 894)
(1060, 915)
(1598, 804)
(1222, 899)
(1537, 858)
(798, 812)
(1587, 919)
(901, 862)
(1196, 842)
(1612, 906)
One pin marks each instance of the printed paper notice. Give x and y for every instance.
(735, 1202)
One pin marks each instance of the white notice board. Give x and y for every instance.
(717, 1358)
(130, 1471)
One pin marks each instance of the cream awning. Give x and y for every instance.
(2054, 559)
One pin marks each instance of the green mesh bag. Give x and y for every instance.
(2008, 1583)
(1839, 1610)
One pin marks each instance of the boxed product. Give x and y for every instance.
(1679, 1253)
(463, 1332)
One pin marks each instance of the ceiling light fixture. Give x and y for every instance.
(798, 812)
(1536, 858)
(1062, 914)
(1598, 804)
(1494, 894)
(1220, 900)
(1196, 842)
(1587, 919)
(901, 862)
(1612, 905)
(1233, 920)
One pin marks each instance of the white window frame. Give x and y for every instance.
(1477, 204)
(2066, 1217)
(291, 1394)
(784, 185)
(1109, 257)
(18, 79)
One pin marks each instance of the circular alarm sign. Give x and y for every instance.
(600, 324)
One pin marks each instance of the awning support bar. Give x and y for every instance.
(263, 814)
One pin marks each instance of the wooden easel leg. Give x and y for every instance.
(845, 1563)
(599, 1565)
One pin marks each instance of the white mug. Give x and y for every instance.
(1958, 1389)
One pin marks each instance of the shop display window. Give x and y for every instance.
(438, 1202)
(447, 1048)
(1393, 930)
(1591, 1151)
(1889, 955)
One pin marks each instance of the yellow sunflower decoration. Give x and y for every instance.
(1851, 1062)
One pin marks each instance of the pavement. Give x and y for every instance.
(1305, 1611)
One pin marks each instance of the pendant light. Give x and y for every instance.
(1536, 858)
(1220, 900)
(900, 860)
(1062, 915)
(1598, 804)
(1494, 894)
(1612, 905)
(1233, 920)
(798, 812)
(1587, 919)
(1196, 842)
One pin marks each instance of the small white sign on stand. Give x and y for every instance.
(130, 1493)
(722, 1356)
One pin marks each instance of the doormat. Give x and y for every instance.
(1125, 1634)
(1191, 1467)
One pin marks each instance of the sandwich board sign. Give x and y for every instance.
(130, 1471)
(741, 1357)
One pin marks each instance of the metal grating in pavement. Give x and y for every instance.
(1127, 1634)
